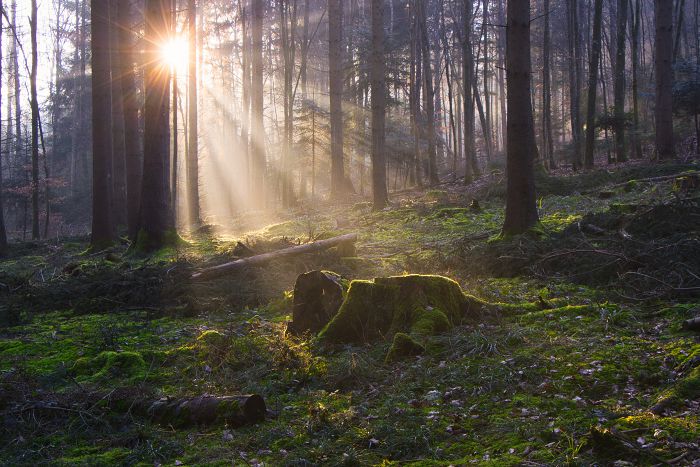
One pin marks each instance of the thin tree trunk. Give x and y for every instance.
(548, 143)
(636, 20)
(335, 64)
(593, 84)
(378, 72)
(257, 105)
(35, 122)
(3, 232)
(619, 82)
(428, 95)
(468, 79)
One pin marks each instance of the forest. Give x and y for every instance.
(349, 232)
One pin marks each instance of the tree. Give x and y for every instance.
(574, 78)
(521, 209)
(119, 204)
(428, 94)
(548, 142)
(468, 77)
(257, 105)
(35, 120)
(130, 104)
(619, 82)
(335, 67)
(593, 83)
(3, 232)
(102, 229)
(378, 71)
(663, 14)
(156, 218)
(193, 121)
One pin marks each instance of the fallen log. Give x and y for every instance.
(692, 324)
(259, 260)
(235, 411)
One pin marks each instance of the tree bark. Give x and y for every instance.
(468, 79)
(102, 226)
(119, 202)
(130, 104)
(156, 218)
(619, 84)
(3, 232)
(35, 121)
(663, 14)
(194, 215)
(593, 83)
(335, 64)
(547, 138)
(378, 72)
(257, 106)
(521, 209)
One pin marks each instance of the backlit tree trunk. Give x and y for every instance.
(335, 66)
(156, 218)
(192, 170)
(619, 83)
(378, 71)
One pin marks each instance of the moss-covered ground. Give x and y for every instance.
(589, 376)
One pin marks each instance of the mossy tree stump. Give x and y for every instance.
(413, 305)
(318, 296)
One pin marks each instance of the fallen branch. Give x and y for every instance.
(236, 411)
(259, 260)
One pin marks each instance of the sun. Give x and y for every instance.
(175, 54)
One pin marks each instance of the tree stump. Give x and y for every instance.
(318, 296)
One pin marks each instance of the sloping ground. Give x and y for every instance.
(575, 383)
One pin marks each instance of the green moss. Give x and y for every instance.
(686, 388)
(149, 243)
(403, 346)
(91, 456)
(108, 365)
(415, 303)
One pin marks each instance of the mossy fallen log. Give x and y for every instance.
(259, 260)
(234, 411)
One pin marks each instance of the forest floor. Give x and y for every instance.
(607, 376)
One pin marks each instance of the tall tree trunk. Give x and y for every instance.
(335, 65)
(3, 232)
(130, 103)
(119, 204)
(521, 209)
(619, 84)
(663, 14)
(156, 218)
(378, 71)
(574, 79)
(636, 21)
(175, 126)
(487, 94)
(593, 83)
(35, 122)
(192, 170)
(468, 79)
(428, 95)
(257, 106)
(547, 138)
(102, 227)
